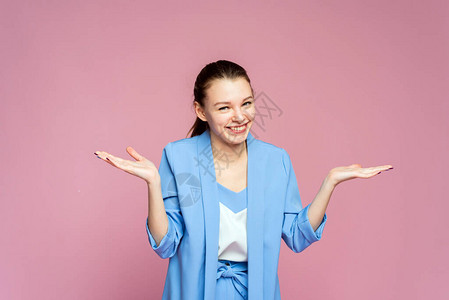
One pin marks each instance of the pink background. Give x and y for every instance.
(357, 83)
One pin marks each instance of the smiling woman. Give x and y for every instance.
(222, 200)
(229, 121)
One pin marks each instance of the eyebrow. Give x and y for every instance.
(227, 102)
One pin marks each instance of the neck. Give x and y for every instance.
(225, 152)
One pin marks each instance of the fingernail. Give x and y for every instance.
(389, 169)
(95, 153)
(108, 159)
(98, 157)
(379, 172)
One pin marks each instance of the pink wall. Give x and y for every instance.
(357, 83)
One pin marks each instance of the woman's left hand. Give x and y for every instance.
(340, 174)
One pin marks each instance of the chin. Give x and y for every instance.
(236, 141)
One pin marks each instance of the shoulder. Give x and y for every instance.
(181, 146)
(274, 153)
(268, 147)
(271, 149)
(183, 143)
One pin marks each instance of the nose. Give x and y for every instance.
(238, 115)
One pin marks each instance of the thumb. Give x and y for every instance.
(134, 153)
(356, 165)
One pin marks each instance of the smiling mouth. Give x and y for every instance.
(238, 129)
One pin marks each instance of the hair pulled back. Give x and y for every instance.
(221, 69)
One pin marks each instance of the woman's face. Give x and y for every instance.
(228, 109)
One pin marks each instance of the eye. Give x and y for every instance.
(222, 108)
(247, 103)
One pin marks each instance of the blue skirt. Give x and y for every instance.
(232, 280)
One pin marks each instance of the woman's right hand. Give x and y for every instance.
(142, 167)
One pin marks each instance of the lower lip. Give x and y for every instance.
(240, 131)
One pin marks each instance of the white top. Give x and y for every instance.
(232, 242)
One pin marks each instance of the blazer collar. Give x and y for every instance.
(211, 210)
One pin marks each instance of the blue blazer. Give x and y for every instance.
(189, 190)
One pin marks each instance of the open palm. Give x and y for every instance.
(142, 167)
(340, 174)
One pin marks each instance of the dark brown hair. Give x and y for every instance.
(221, 69)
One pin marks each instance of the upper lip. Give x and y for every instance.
(238, 125)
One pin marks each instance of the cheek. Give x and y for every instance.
(251, 113)
(220, 119)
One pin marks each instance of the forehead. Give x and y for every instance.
(228, 90)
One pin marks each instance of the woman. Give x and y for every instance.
(222, 200)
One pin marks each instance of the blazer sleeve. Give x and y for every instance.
(297, 232)
(170, 242)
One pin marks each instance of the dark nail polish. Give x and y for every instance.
(95, 153)
(379, 172)
(108, 159)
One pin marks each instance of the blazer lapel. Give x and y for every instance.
(255, 220)
(211, 211)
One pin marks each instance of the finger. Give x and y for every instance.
(101, 155)
(383, 168)
(134, 154)
(98, 154)
(116, 160)
(111, 159)
(366, 172)
(355, 166)
(370, 169)
(373, 172)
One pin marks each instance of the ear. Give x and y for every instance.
(199, 110)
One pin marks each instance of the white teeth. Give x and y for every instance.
(240, 128)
